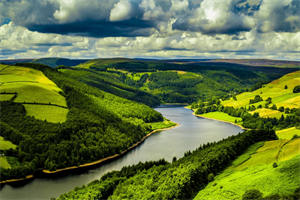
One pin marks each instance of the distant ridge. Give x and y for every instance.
(51, 62)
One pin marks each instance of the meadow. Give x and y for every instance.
(288, 133)
(5, 145)
(222, 117)
(32, 88)
(276, 90)
(258, 172)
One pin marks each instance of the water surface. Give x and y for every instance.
(191, 132)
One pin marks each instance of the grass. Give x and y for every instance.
(265, 113)
(222, 116)
(32, 86)
(52, 114)
(275, 90)
(247, 155)
(267, 154)
(258, 172)
(160, 125)
(6, 97)
(4, 144)
(3, 163)
(288, 133)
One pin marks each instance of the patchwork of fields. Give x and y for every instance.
(40, 96)
(276, 90)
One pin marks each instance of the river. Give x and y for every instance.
(191, 132)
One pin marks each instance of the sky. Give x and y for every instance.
(150, 29)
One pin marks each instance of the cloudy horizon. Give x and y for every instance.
(201, 29)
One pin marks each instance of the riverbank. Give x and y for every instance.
(211, 118)
(85, 166)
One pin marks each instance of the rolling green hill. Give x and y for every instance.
(258, 172)
(178, 83)
(98, 124)
(274, 106)
(273, 100)
(280, 90)
(34, 91)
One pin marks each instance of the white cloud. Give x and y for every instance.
(121, 11)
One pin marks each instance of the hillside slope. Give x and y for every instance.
(279, 90)
(184, 82)
(34, 91)
(272, 168)
(98, 124)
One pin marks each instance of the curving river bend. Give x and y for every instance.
(191, 132)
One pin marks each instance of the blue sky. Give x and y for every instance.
(150, 28)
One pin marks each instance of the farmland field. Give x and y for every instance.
(288, 133)
(32, 86)
(276, 90)
(52, 114)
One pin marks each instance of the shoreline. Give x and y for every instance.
(101, 161)
(240, 126)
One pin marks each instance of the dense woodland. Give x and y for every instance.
(92, 131)
(180, 179)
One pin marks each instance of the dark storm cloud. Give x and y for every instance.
(130, 18)
(127, 28)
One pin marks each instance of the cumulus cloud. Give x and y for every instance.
(279, 16)
(150, 28)
(121, 11)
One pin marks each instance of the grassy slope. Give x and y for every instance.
(288, 133)
(258, 172)
(275, 90)
(32, 86)
(5, 145)
(222, 116)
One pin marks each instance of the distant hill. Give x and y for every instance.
(175, 81)
(260, 62)
(51, 62)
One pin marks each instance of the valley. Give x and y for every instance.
(93, 113)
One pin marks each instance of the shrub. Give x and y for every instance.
(296, 89)
(210, 177)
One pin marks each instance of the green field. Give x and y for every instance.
(6, 97)
(3, 163)
(161, 125)
(288, 133)
(222, 116)
(258, 172)
(265, 113)
(4, 144)
(32, 86)
(52, 114)
(276, 90)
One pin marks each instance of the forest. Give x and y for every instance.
(180, 179)
(172, 82)
(98, 125)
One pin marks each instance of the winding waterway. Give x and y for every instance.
(191, 132)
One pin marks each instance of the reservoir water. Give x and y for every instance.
(190, 134)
